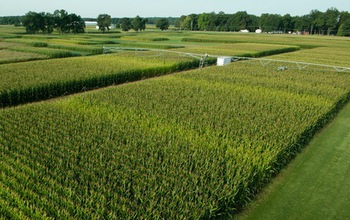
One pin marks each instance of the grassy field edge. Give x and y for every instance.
(314, 185)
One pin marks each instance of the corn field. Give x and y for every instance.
(240, 49)
(193, 145)
(38, 80)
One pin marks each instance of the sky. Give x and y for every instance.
(165, 8)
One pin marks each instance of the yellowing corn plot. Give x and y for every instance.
(192, 145)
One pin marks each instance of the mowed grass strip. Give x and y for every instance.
(316, 184)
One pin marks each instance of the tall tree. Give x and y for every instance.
(344, 29)
(344, 24)
(271, 22)
(49, 23)
(187, 23)
(180, 21)
(162, 24)
(204, 20)
(125, 24)
(343, 17)
(331, 20)
(77, 24)
(287, 23)
(137, 23)
(221, 21)
(33, 22)
(104, 22)
(239, 21)
(316, 21)
(62, 21)
(253, 23)
(194, 22)
(302, 23)
(190, 22)
(143, 24)
(242, 19)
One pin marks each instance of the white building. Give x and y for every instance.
(90, 23)
(222, 61)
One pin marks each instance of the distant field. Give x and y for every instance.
(239, 49)
(197, 144)
(298, 40)
(335, 56)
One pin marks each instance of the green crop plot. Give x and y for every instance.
(7, 56)
(29, 81)
(192, 145)
(335, 56)
(238, 49)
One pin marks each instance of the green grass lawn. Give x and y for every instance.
(314, 186)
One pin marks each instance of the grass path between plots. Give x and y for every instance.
(315, 185)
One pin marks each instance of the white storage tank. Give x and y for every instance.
(222, 61)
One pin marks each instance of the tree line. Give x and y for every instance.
(46, 22)
(316, 22)
(105, 21)
(330, 22)
(11, 20)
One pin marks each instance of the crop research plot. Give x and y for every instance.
(32, 81)
(196, 144)
(191, 145)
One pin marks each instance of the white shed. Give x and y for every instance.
(90, 23)
(222, 61)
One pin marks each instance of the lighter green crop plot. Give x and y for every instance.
(48, 52)
(23, 82)
(311, 41)
(194, 145)
(6, 45)
(26, 41)
(322, 55)
(238, 49)
(8, 31)
(22, 75)
(7, 56)
(71, 44)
